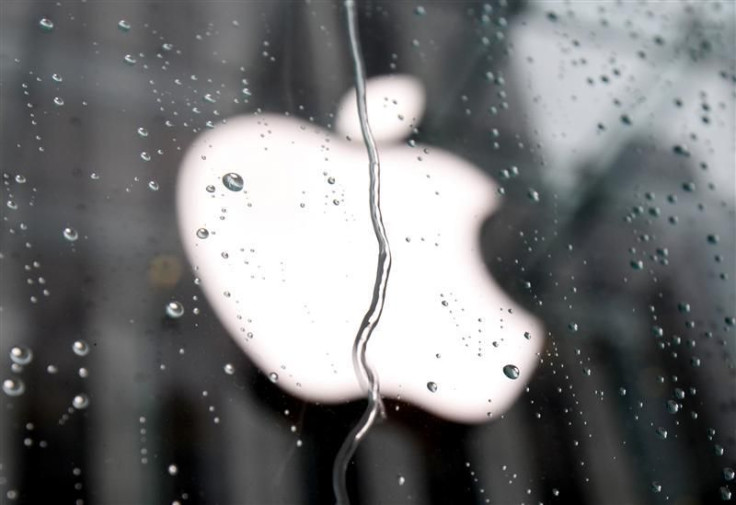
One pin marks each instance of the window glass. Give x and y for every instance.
(188, 252)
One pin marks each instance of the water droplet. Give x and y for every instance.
(129, 59)
(174, 309)
(527, 335)
(80, 402)
(432, 386)
(21, 355)
(728, 473)
(661, 433)
(123, 25)
(58, 101)
(273, 377)
(173, 470)
(713, 239)
(209, 98)
(70, 234)
(233, 181)
(672, 406)
(331, 180)
(401, 480)
(229, 368)
(210, 188)
(511, 371)
(13, 387)
(145, 156)
(142, 132)
(636, 264)
(533, 195)
(725, 493)
(656, 487)
(153, 185)
(80, 348)
(57, 78)
(46, 25)
(20, 179)
(203, 233)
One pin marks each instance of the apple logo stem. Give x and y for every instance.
(363, 369)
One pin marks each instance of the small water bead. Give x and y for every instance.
(511, 371)
(229, 368)
(173, 470)
(728, 473)
(129, 59)
(80, 348)
(233, 181)
(210, 188)
(432, 386)
(13, 387)
(83, 373)
(70, 234)
(21, 355)
(153, 185)
(56, 78)
(203, 233)
(656, 487)
(58, 101)
(20, 179)
(273, 377)
(46, 25)
(174, 309)
(80, 402)
(533, 195)
(527, 335)
(123, 25)
(661, 433)
(145, 156)
(331, 180)
(142, 132)
(401, 480)
(725, 493)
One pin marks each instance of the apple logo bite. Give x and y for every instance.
(274, 217)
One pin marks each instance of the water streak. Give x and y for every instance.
(363, 370)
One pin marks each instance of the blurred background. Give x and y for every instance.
(609, 128)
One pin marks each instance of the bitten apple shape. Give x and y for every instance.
(287, 258)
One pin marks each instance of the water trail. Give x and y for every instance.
(363, 370)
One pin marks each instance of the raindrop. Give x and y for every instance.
(210, 188)
(527, 335)
(728, 473)
(331, 180)
(20, 179)
(420, 11)
(533, 195)
(70, 234)
(123, 25)
(173, 470)
(656, 487)
(21, 355)
(233, 181)
(432, 386)
(46, 25)
(273, 377)
(511, 371)
(56, 77)
(80, 402)
(174, 309)
(145, 156)
(80, 348)
(58, 101)
(725, 493)
(13, 387)
(661, 433)
(153, 185)
(401, 480)
(142, 132)
(129, 59)
(229, 368)
(203, 233)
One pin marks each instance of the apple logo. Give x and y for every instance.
(274, 216)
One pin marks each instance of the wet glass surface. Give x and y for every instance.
(558, 189)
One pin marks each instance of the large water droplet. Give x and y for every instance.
(13, 387)
(432, 386)
(233, 181)
(70, 234)
(174, 309)
(511, 371)
(80, 402)
(203, 233)
(80, 348)
(21, 355)
(46, 25)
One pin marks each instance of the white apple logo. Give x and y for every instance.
(288, 260)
